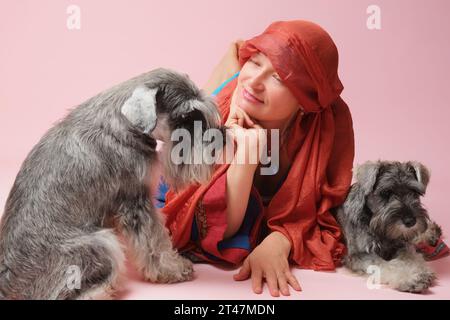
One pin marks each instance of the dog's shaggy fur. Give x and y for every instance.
(382, 220)
(87, 178)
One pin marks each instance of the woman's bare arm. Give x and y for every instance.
(249, 139)
(227, 67)
(239, 186)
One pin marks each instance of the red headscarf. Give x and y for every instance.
(321, 144)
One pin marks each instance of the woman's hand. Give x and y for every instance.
(228, 66)
(269, 261)
(249, 137)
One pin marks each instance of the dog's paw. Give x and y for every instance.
(184, 271)
(172, 268)
(434, 234)
(106, 292)
(418, 283)
(430, 237)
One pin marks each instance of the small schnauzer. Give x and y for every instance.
(382, 220)
(88, 177)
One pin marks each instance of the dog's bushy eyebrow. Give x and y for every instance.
(383, 190)
(407, 188)
(415, 186)
(379, 178)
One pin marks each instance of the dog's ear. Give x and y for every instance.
(354, 205)
(140, 109)
(366, 177)
(202, 110)
(421, 172)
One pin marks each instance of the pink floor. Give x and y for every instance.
(214, 283)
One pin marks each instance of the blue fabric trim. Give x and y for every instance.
(216, 92)
(242, 238)
(194, 230)
(160, 198)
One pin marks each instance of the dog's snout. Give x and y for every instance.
(409, 221)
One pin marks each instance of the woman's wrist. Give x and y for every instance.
(243, 170)
(243, 160)
(282, 242)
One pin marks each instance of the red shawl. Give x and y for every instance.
(321, 145)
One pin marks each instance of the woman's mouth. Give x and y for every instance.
(249, 97)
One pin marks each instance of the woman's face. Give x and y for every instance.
(261, 93)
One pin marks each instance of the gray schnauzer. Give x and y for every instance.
(88, 178)
(382, 220)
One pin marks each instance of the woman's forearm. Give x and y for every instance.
(227, 67)
(215, 80)
(239, 186)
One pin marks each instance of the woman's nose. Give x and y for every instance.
(256, 82)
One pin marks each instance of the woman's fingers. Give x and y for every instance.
(283, 285)
(241, 122)
(244, 272)
(292, 280)
(249, 122)
(241, 118)
(234, 49)
(256, 126)
(238, 118)
(238, 43)
(241, 114)
(257, 279)
(272, 283)
(231, 121)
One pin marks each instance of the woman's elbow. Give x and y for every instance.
(232, 228)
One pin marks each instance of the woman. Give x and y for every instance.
(289, 82)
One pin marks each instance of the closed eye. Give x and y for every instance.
(255, 62)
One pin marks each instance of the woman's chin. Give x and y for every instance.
(250, 111)
(250, 108)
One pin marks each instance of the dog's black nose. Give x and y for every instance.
(409, 221)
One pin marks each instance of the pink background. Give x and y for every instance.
(396, 85)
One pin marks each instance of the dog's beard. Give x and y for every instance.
(398, 230)
(389, 225)
(179, 176)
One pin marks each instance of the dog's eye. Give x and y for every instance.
(418, 193)
(385, 194)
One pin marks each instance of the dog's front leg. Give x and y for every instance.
(408, 272)
(430, 236)
(150, 243)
